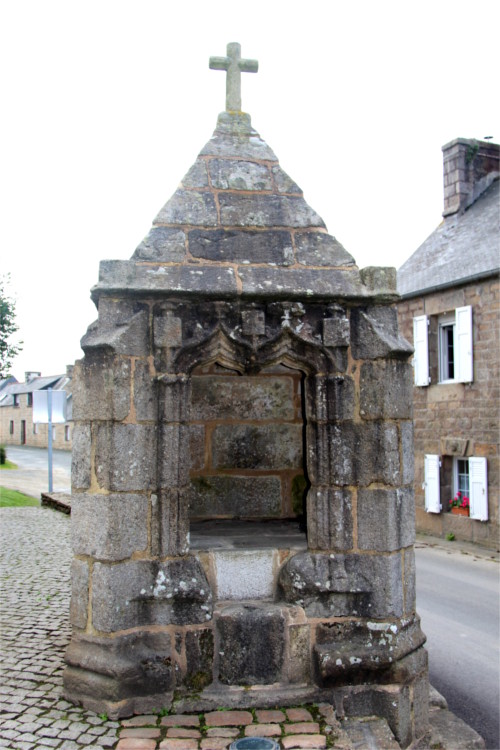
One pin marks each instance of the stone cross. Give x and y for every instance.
(233, 65)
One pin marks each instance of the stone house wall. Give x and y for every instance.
(447, 414)
(11, 419)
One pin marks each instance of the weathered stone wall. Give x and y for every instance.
(247, 444)
(448, 414)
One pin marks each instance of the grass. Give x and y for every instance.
(15, 499)
(8, 465)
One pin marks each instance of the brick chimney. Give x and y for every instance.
(469, 167)
(29, 376)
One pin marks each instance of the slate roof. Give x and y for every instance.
(57, 382)
(238, 225)
(464, 247)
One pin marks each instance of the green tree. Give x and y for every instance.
(8, 326)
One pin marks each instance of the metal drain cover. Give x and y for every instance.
(254, 743)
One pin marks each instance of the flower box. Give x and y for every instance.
(460, 511)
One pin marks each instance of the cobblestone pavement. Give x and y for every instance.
(35, 588)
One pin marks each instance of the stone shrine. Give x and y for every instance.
(242, 500)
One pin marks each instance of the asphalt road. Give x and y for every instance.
(458, 601)
(32, 476)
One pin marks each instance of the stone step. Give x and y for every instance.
(369, 733)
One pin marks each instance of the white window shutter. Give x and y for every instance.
(431, 484)
(421, 346)
(463, 344)
(478, 488)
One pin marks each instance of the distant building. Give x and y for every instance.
(450, 311)
(16, 412)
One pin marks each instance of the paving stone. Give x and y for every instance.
(222, 732)
(146, 733)
(304, 742)
(140, 721)
(215, 743)
(176, 744)
(228, 718)
(134, 743)
(263, 730)
(268, 716)
(188, 720)
(298, 714)
(181, 732)
(302, 727)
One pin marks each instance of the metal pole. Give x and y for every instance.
(49, 407)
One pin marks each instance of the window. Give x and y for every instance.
(11, 427)
(453, 352)
(35, 428)
(16, 399)
(29, 399)
(446, 348)
(469, 477)
(461, 476)
(66, 434)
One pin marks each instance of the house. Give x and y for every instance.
(16, 412)
(449, 309)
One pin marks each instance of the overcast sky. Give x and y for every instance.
(106, 104)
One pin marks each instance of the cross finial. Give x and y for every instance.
(233, 65)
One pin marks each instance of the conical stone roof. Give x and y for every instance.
(238, 226)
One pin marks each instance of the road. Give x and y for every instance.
(31, 477)
(458, 601)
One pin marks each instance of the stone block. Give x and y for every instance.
(199, 658)
(145, 393)
(272, 446)
(130, 277)
(109, 527)
(329, 519)
(174, 461)
(229, 174)
(356, 648)
(170, 522)
(353, 454)
(299, 657)
(251, 644)
(329, 398)
(174, 398)
(78, 611)
(283, 182)
(123, 325)
(244, 574)
(266, 211)
(408, 453)
(143, 592)
(336, 331)
(253, 322)
(101, 389)
(196, 176)
(340, 585)
(409, 581)
(189, 207)
(386, 390)
(241, 398)
(235, 246)
(113, 669)
(381, 279)
(163, 244)
(374, 334)
(197, 446)
(80, 457)
(299, 283)
(234, 497)
(125, 457)
(391, 702)
(386, 519)
(320, 249)
(167, 331)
